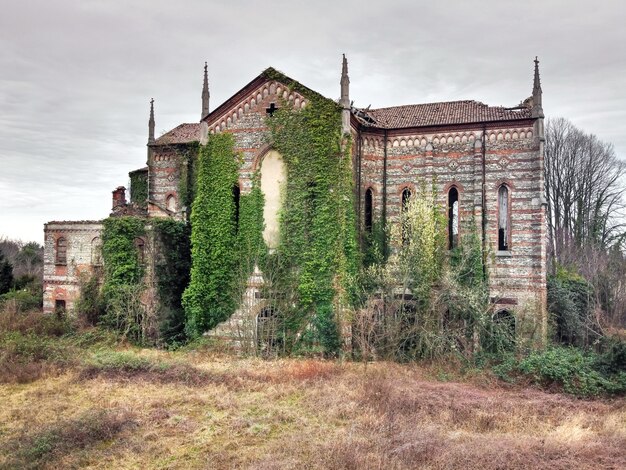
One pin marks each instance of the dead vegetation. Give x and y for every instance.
(108, 405)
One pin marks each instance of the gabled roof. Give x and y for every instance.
(445, 113)
(181, 134)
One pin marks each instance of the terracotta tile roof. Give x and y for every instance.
(180, 135)
(451, 112)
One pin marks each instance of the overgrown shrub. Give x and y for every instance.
(571, 369)
(571, 307)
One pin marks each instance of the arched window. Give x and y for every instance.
(369, 206)
(141, 250)
(406, 198)
(236, 198)
(61, 251)
(96, 252)
(170, 203)
(506, 322)
(504, 219)
(453, 218)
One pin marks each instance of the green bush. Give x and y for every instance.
(20, 301)
(573, 370)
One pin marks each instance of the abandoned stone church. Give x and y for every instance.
(487, 162)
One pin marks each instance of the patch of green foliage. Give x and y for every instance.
(571, 308)
(209, 299)
(123, 275)
(573, 370)
(317, 258)
(171, 265)
(187, 179)
(6, 274)
(139, 188)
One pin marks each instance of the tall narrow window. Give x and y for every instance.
(369, 205)
(504, 220)
(406, 198)
(236, 197)
(453, 218)
(61, 251)
(96, 251)
(141, 250)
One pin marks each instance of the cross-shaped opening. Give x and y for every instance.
(270, 111)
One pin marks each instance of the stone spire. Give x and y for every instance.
(151, 124)
(345, 97)
(205, 94)
(537, 109)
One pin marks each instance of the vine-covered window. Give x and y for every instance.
(96, 252)
(141, 250)
(369, 206)
(453, 218)
(504, 219)
(236, 198)
(61, 251)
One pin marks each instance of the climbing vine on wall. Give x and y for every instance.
(209, 299)
(186, 184)
(123, 275)
(318, 249)
(139, 188)
(172, 263)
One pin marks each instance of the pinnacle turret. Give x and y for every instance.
(205, 93)
(151, 123)
(537, 109)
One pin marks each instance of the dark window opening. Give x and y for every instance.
(406, 198)
(59, 306)
(269, 340)
(61, 251)
(453, 218)
(504, 222)
(369, 203)
(141, 250)
(506, 321)
(236, 200)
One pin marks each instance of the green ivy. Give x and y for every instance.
(139, 187)
(209, 299)
(123, 275)
(318, 252)
(186, 183)
(172, 264)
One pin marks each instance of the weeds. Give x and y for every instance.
(34, 449)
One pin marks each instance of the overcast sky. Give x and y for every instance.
(76, 77)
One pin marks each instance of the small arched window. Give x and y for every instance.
(140, 245)
(61, 251)
(504, 219)
(453, 218)
(369, 207)
(96, 252)
(170, 203)
(236, 199)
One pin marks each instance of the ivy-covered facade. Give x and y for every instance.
(281, 194)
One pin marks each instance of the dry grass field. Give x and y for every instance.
(113, 406)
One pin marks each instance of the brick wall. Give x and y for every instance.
(61, 280)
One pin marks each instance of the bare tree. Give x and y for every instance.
(585, 191)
